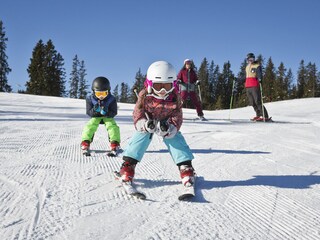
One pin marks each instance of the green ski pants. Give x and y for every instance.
(92, 126)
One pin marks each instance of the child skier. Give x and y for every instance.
(102, 108)
(158, 111)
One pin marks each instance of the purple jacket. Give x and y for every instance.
(183, 76)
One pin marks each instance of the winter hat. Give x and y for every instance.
(187, 60)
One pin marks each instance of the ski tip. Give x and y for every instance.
(185, 197)
(139, 195)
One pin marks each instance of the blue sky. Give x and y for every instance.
(117, 37)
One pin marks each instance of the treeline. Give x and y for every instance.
(219, 85)
(47, 75)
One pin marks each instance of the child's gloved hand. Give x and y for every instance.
(144, 125)
(150, 126)
(172, 131)
(96, 107)
(140, 125)
(165, 129)
(103, 111)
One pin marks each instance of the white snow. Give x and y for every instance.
(255, 180)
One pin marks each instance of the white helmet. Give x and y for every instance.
(161, 72)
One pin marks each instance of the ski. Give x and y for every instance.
(262, 120)
(196, 119)
(187, 192)
(86, 152)
(130, 188)
(114, 153)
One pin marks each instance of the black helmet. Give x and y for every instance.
(100, 84)
(250, 55)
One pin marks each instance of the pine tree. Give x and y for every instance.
(115, 92)
(46, 72)
(240, 95)
(213, 73)
(214, 81)
(224, 87)
(301, 81)
(36, 70)
(83, 86)
(288, 83)
(311, 83)
(138, 85)
(318, 85)
(280, 88)
(74, 78)
(203, 76)
(4, 66)
(268, 82)
(124, 93)
(55, 73)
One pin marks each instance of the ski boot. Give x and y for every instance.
(85, 147)
(256, 118)
(115, 148)
(127, 171)
(202, 118)
(187, 175)
(188, 178)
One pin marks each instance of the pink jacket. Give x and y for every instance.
(158, 109)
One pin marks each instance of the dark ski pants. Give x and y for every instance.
(194, 99)
(254, 98)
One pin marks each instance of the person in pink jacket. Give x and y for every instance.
(158, 111)
(188, 81)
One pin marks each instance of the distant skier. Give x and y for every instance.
(158, 111)
(188, 80)
(101, 106)
(253, 78)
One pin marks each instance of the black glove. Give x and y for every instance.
(164, 125)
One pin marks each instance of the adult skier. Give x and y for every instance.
(158, 110)
(252, 84)
(188, 80)
(101, 106)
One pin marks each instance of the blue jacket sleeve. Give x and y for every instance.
(112, 108)
(89, 106)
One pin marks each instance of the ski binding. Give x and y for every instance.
(129, 188)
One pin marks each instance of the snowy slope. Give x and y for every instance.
(256, 180)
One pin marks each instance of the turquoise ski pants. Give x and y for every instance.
(177, 146)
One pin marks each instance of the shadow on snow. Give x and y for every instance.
(208, 151)
(281, 181)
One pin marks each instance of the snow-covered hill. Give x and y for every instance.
(256, 180)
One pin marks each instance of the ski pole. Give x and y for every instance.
(136, 92)
(262, 102)
(199, 93)
(231, 100)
